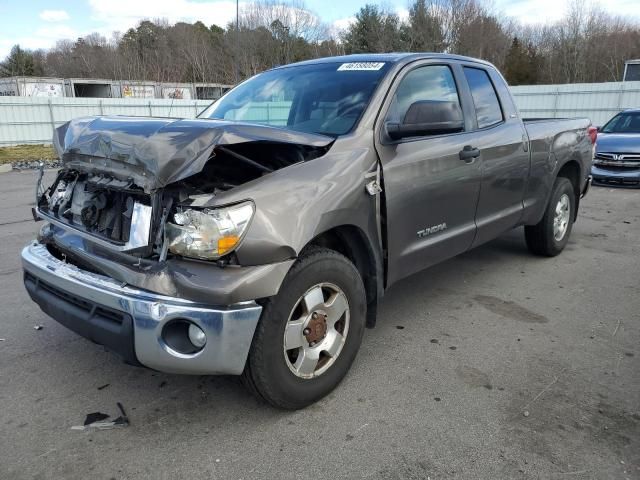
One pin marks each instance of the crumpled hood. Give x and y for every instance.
(155, 152)
(618, 142)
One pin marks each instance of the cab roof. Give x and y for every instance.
(395, 57)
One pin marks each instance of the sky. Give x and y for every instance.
(39, 24)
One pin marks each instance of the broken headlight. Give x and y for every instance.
(208, 234)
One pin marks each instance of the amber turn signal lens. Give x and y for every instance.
(226, 244)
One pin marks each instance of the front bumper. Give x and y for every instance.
(628, 177)
(130, 321)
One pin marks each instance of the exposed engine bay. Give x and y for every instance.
(234, 165)
(100, 205)
(118, 214)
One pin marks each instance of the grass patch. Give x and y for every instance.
(19, 153)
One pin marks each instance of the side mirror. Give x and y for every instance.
(428, 117)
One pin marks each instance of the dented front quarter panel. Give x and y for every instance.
(293, 205)
(296, 204)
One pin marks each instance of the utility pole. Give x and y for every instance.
(237, 41)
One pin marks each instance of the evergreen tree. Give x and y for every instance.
(423, 31)
(374, 31)
(20, 63)
(521, 64)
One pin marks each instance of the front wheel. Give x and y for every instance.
(308, 334)
(551, 234)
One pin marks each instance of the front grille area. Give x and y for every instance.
(101, 207)
(619, 160)
(113, 220)
(105, 213)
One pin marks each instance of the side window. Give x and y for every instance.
(432, 83)
(488, 111)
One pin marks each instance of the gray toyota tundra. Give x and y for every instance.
(259, 238)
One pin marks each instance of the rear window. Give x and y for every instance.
(488, 111)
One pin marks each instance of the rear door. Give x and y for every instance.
(430, 192)
(502, 141)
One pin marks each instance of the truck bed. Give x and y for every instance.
(552, 134)
(553, 142)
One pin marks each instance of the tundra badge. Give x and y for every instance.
(429, 230)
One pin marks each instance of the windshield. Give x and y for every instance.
(325, 98)
(626, 122)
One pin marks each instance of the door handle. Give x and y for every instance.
(468, 153)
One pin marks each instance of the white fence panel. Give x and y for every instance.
(597, 101)
(32, 119)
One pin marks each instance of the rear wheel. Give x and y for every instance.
(551, 234)
(308, 334)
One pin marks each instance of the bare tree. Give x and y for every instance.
(586, 45)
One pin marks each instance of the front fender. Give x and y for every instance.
(297, 203)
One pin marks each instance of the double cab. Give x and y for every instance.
(259, 238)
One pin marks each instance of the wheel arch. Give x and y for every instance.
(353, 243)
(572, 171)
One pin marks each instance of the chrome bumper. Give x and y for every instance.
(229, 330)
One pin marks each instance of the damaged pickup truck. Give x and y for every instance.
(259, 238)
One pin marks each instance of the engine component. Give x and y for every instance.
(91, 211)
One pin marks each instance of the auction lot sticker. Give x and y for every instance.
(359, 66)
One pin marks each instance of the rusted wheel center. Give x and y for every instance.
(316, 329)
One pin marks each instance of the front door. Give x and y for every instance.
(431, 191)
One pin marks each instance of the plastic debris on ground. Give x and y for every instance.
(94, 421)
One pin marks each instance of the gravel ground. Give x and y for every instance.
(493, 365)
(28, 156)
(35, 164)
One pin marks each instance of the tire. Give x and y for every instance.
(281, 377)
(549, 237)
